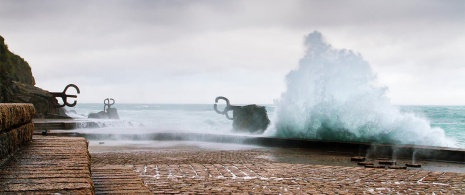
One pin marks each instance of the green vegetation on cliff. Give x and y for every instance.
(17, 84)
(12, 68)
(15, 66)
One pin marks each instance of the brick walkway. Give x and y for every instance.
(48, 165)
(117, 180)
(276, 178)
(262, 171)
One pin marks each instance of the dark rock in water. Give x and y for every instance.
(99, 115)
(250, 118)
(108, 112)
(17, 85)
(111, 113)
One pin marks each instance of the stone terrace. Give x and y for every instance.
(274, 178)
(61, 165)
(190, 170)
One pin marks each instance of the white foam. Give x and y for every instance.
(334, 95)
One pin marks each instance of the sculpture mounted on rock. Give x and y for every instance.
(249, 118)
(108, 112)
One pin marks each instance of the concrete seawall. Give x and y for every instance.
(16, 127)
(365, 149)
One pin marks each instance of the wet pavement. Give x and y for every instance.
(194, 168)
(48, 165)
(63, 165)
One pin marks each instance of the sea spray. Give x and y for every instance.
(334, 95)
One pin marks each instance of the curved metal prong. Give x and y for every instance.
(228, 117)
(71, 85)
(65, 96)
(216, 109)
(222, 98)
(71, 105)
(226, 109)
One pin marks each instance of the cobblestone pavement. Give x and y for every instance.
(191, 170)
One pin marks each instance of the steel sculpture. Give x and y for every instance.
(228, 107)
(65, 96)
(107, 105)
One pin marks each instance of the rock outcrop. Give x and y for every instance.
(17, 84)
(16, 67)
(108, 113)
(250, 118)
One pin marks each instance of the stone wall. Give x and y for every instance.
(16, 127)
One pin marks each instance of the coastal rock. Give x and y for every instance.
(16, 67)
(108, 112)
(42, 100)
(98, 115)
(250, 118)
(17, 85)
(111, 113)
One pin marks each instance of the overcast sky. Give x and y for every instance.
(169, 51)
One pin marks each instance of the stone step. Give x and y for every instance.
(117, 180)
(63, 124)
(48, 165)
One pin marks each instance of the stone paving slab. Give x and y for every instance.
(184, 169)
(274, 178)
(48, 165)
(117, 180)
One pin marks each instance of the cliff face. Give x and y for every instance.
(17, 84)
(16, 67)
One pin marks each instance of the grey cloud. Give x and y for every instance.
(167, 41)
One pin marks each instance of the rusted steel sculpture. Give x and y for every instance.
(228, 107)
(251, 118)
(108, 112)
(107, 105)
(65, 96)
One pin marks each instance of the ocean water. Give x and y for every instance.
(201, 118)
(333, 94)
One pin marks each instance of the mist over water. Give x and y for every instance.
(157, 118)
(334, 95)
